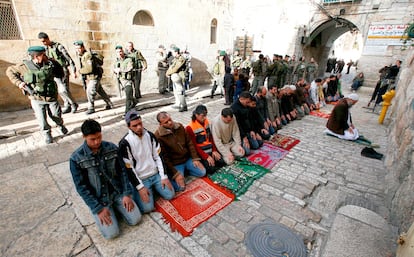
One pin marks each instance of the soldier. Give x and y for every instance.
(291, 69)
(57, 52)
(123, 68)
(246, 66)
(300, 69)
(36, 78)
(91, 70)
(140, 65)
(162, 67)
(259, 72)
(311, 70)
(219, 70)
(236, 60)
(273, 71)
(177, 73)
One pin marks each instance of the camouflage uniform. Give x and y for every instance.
(176, 71)
(41, 90)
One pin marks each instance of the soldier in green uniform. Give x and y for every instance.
(140, 65)
(259, 72)
(236, 60)
(177, 73)
(36, 78)
(300, 69)
(273, 71)
(123, 68)
(162, 67)
(311, 70)
(57, 52)
(92, 72)
(291, 69)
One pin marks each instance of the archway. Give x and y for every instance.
(323, 42)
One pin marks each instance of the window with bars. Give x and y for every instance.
(9, 29)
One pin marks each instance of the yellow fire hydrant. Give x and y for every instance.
(386, 102)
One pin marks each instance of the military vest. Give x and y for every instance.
(54, 53)
(40, 79)
(123, 64)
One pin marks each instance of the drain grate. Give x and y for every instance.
(274, 240)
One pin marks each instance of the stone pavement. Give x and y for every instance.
(324, 190)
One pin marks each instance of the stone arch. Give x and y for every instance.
(213, 31)
(320, 40)
(143, 18)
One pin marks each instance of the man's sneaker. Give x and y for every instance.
(74, 107)
(108, 107)
(64, 130)
(49, 139)
(90, 111)
(66, 109)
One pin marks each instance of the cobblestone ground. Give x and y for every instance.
(42, 214)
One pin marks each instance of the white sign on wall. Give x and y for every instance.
(383, 35)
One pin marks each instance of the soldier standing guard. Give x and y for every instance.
(123, 68)
(57, 52)
(162, 67)
(140, 64)
(36, 78)
(91, 72)
(177, 73)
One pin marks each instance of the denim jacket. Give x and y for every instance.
(92, 174)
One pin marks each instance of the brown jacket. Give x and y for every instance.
(176, 147)
(338, 121)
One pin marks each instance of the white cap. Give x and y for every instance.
(353, 96)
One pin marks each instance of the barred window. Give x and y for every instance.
(213, 31)
(143, 18)
(8, 23)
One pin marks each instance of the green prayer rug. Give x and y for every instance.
(239, 176)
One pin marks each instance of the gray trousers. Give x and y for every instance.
(257, 81)
(162, 81)
(53, 110)
(94, 87)
(63, 89)
(179, 90)
(127, 86)
(137, 83)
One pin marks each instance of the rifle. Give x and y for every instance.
(27, 89)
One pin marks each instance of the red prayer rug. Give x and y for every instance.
(320, 114)
(267, 156)
(285, 142)
(200, 200)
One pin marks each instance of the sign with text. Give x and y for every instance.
(381, 36)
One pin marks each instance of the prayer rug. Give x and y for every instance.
(201, 199)
(320, 114)
(285, 142)
(267, 155)
(239, 176)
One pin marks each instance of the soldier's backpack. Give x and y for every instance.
(97, 58)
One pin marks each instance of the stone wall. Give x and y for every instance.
(400, 153)
(103, 24)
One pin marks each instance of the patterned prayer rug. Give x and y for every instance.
(285, 142)
(267, 155)
(239, 176)
(320, 114)
(201, 199)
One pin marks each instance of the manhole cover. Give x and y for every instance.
(274, 240)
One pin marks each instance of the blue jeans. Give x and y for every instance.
(111, 231)
(153, 182)
(191, 170)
